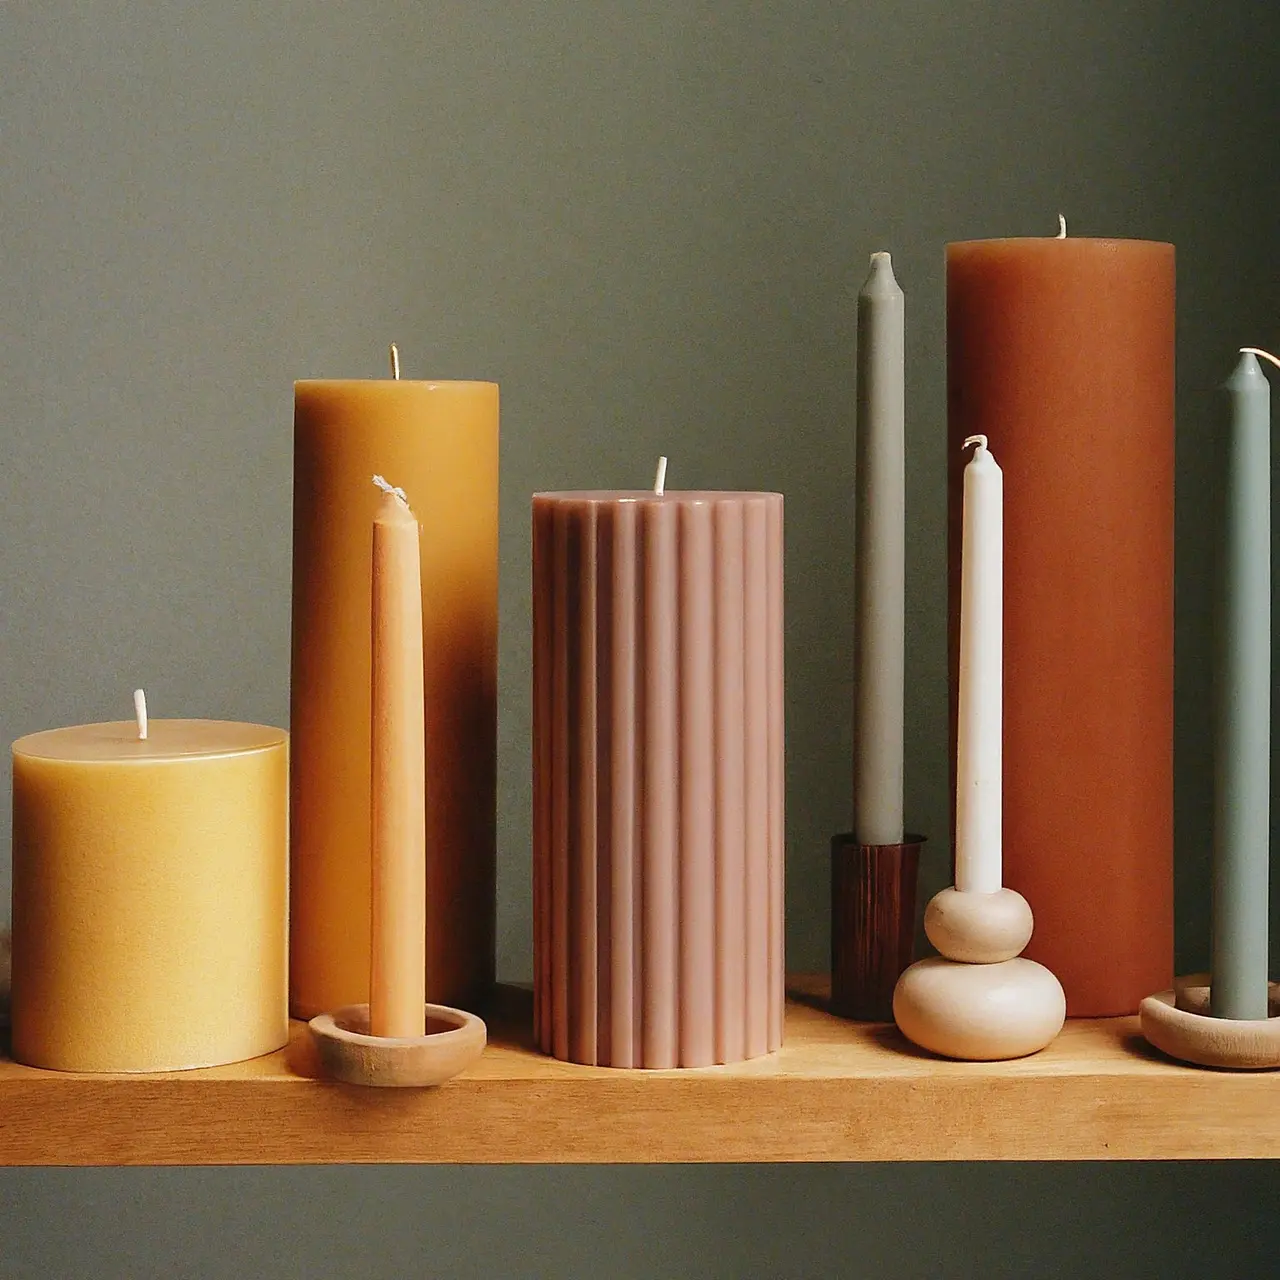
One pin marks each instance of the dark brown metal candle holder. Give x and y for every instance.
(873, 923)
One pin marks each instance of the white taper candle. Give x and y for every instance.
(979, 722)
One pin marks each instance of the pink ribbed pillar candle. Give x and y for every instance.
(657, 777)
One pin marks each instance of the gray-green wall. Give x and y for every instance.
(648, 221)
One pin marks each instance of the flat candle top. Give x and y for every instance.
(117, 740)
(1068, 247)
(384, 386)
(648, 495)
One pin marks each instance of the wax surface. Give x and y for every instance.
(117, 741)
(149, 895)
(439, 442)
(1062, 352)
(397, 993)
(879, 581)
(1242, 791)
(979, 772)
(658, 776)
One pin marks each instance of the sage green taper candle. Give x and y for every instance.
(879, 590)
(1243, 743)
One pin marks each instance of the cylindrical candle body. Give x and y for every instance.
(397, 990)
(873, 924)
(879, 567)
(1242, 812)
(980, 693)
(149, 895)
(1061, 351)
(439, 442)
(658, 777)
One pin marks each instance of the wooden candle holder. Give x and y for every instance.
(350, 1054)
(979, 1000)
(1178, 1022)
(873, 923)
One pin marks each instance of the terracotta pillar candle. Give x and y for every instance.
(149, 895)
(1062, 351)
(658, 776)
(397, 992)
(439, 441)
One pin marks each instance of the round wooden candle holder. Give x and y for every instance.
(1178, 1022)
(350, 1054)
(873, 923)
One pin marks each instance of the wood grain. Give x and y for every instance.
(873, 923)
(836, 1091)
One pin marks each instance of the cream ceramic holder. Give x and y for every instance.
(1178, 1022)
(350, 1054)
(979, 1000)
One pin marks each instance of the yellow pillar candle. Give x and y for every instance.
(149, 895)
(439, 442)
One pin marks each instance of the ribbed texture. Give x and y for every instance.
(873, 924)
(658, 777)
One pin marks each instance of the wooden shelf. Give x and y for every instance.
(836, 1091)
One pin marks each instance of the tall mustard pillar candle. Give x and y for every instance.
(439, 440)
(879, 576)
(1242, 812)
(658, 776)
(149, 895)
(397, 993)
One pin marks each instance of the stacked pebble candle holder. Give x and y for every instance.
(980, 999)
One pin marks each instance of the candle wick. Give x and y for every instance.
(387, 487)
(140, 711)
(1258, 351)
(660, 480)
(1062, 226)
(980, 441)
(395, 362)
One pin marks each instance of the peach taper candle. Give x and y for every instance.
(397, 1039)
(397, 990)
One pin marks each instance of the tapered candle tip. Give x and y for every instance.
(881, 282)
(1264, 355)
(395, 362)
(660, 480)
(1062, 226)
(140, 712)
